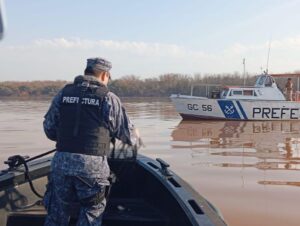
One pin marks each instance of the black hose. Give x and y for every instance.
(41, 155)
(27, 176)
(18, 160)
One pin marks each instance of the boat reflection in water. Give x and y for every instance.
(270, 145)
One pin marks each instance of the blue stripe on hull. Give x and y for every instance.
(241, 109)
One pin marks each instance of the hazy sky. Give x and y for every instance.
(51, 39)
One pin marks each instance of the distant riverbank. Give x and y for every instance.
(127, 86)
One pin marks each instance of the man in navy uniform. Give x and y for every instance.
(82, 119)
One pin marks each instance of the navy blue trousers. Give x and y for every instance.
(63, 196)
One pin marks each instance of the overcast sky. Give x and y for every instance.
(51, 39)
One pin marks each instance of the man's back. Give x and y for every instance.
(82, 119)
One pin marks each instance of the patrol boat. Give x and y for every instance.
(263, 101)
(145, 192)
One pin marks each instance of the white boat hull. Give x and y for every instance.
(190, 107)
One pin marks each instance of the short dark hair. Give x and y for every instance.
(89, 71)
(92, 72)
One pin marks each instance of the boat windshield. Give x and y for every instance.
(265, 80)
(268, 81)
(261, 80)
(224, 92)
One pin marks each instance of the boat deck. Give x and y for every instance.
(125, 212)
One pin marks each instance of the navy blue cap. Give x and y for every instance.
(98, 64)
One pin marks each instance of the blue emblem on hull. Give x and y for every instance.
(228, 109)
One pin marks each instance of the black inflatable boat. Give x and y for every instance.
(145, 192)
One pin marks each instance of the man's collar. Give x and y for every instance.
(88, 78)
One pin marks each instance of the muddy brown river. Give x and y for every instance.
(248, 170)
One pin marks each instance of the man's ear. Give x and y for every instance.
(102, 76)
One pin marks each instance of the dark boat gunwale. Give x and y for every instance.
(198, 210)
(195, 206)
(16, 176)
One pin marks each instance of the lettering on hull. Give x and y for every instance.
(275, 113)
(197, 107)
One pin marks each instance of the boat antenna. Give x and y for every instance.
(267, 69)
(244, 71)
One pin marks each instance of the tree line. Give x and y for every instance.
(133, 86)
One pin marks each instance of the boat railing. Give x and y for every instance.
(208, 88)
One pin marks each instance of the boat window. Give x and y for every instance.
(273, 80)
(268, 81)
(255, 94)
(237, 92)
(225, 92)
(261, 80)
(248, 92)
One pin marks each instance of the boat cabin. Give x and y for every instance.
(265, 88)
